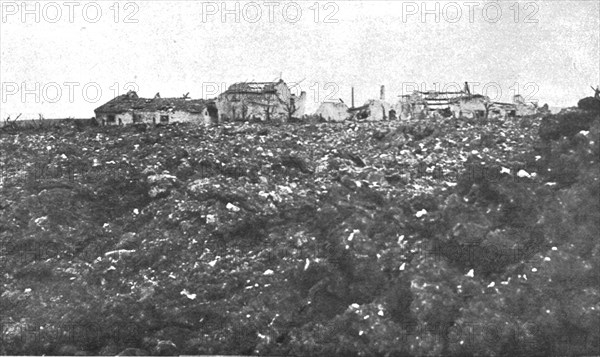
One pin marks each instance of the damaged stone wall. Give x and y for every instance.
(245, 101)
(333, 111)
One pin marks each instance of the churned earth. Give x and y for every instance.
(432, 237)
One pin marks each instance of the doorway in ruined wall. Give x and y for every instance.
(392, 114)
(213, 112)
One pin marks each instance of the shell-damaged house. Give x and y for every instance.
(470, 106)
(260, 100)
(517, 108)
(130, 109)
(333, 111)
(374, 109)
(524, 108)
(462, 104)
(457, 104)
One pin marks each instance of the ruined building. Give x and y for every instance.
(458, 104)
(333, 111)
(130, 109)
(462, 104)
(373, 109)
(523, 108)
(260, 101)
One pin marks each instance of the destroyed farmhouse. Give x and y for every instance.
(462, 104)
(457, 104)
(260, 101)
(131, 109)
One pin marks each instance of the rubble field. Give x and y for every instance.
(393, 238)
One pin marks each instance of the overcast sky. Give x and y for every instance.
(546, 50)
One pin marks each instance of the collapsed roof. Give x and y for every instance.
(253, 87)
(131, 102)
(441, 100)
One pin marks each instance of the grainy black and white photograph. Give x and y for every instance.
(300, 178)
